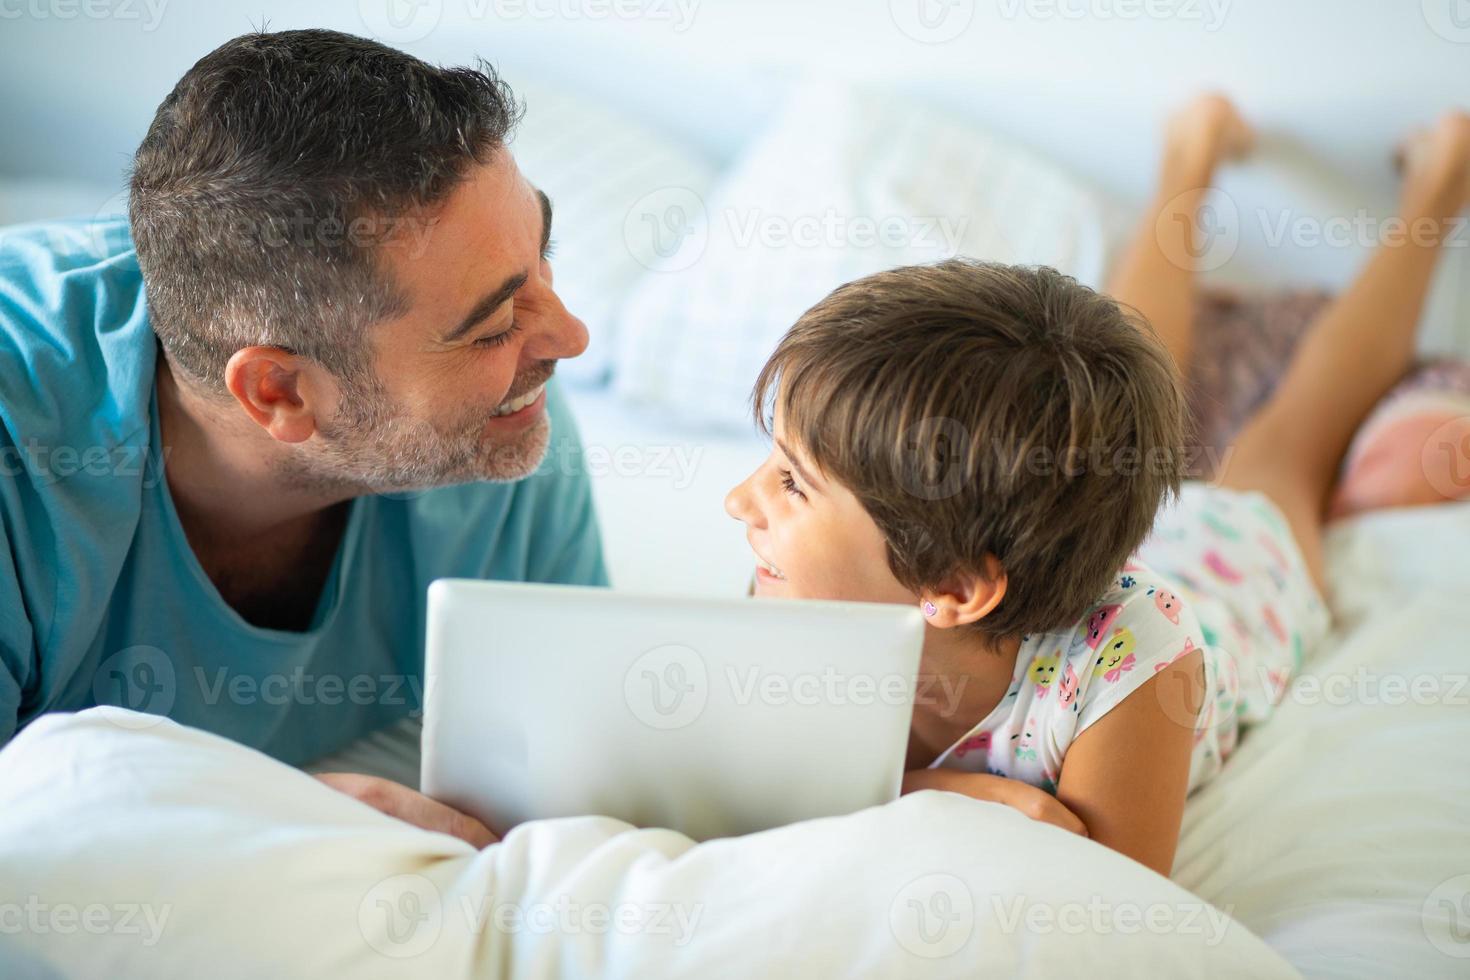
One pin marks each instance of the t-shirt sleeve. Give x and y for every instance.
(1126, 643)
(566, 543)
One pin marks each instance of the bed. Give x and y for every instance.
(1334, 844)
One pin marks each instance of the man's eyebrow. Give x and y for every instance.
(805, 476)
(487, 306)
(545, 221)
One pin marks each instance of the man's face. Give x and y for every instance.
(458, 394)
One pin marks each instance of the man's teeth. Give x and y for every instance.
(516, 404)
(769, 567)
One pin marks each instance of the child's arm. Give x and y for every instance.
(1126, 775)
(1036, 803)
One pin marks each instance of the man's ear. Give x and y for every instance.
(269, 383)
(965, 597)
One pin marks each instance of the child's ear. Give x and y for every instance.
(965, 597)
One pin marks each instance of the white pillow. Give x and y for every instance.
(149, 849)
(595, 164)
(843, 184)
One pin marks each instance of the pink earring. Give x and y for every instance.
(929, 609)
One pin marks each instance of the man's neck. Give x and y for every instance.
(223, 470)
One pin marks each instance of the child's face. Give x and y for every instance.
(811, 537)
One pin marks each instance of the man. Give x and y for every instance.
(239, 442)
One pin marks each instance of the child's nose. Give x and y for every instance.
(740, 505)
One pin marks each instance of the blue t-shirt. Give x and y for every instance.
(101, 598)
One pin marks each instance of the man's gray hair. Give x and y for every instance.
(274, 172)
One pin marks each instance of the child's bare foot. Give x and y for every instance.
(1435, 163)
(1207, 131)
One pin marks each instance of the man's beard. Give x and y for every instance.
(373, 446)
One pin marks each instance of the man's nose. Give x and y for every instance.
(562, 335)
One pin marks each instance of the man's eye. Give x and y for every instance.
(499, 339)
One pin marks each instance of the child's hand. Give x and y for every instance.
(1035, 803)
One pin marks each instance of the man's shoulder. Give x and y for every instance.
(76, 347)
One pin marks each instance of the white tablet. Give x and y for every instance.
(714, 717)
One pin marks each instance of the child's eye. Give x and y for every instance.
(789, 485)
(499, 339)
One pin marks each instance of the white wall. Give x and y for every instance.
(1332, 83)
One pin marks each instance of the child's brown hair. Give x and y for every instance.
(982, 409)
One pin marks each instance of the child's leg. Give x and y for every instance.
(1156, 273)
(1354, 353)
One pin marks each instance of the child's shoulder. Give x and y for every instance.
(1136, 627)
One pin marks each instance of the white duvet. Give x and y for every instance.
(1338, 835)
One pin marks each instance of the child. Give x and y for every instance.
(993, 444)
